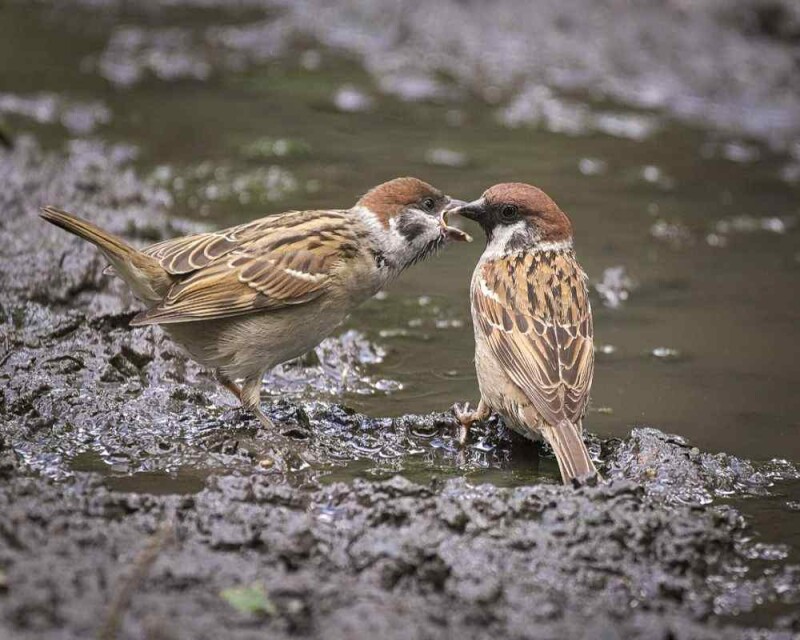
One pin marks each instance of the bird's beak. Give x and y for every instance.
(471, 210)
(453, 203)
(453, 233)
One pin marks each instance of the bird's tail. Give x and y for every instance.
(143, 273)
(571, 453)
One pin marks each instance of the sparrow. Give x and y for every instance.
(245, 299)
(534, 354)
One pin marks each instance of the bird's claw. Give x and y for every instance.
(266, 422)
(466, 418)
(460, 410)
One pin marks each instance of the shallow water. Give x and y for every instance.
(704, 341)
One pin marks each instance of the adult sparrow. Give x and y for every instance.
(245, 299)
(534, 355)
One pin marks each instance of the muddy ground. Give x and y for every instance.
(373, 559)
(265, 546)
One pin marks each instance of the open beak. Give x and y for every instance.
(453, 233)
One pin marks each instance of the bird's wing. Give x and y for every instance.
(184, 255)
(265, 265)
(535, 313)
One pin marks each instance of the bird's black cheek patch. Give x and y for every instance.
(518, 240)
(410, 229)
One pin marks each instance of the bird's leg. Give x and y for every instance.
(467, 418)
(230, 385)
(251, 400)
(249, 396)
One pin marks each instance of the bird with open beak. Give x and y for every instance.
(245, 299)
(534, 354)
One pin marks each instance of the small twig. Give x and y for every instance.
(140, 567)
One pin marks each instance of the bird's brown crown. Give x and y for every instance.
(387, 200)
(534, 205)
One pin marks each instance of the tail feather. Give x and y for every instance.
(107, 242)
(143, 273)
(571, 452)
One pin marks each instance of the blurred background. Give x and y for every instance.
(668, 130)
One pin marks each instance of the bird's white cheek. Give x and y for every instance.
(431, 234)
(501, 237)
(411, 237)
(396, 245)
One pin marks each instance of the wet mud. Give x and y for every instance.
(392, 559)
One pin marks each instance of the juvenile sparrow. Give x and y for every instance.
(245, 299)
(534, 355)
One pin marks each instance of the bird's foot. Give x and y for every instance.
(466, 418)
(264, 420)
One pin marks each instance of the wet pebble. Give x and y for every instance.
(673, 233)
(77, 117)
(655, 175)
(168, 54)
(734, 150)
(749, 224)
(615, 287)
(592, 166)
(214, 182)
(539, 106)
(350, 99)
(446, 157)
(667, 354)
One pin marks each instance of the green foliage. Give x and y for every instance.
(249, 599)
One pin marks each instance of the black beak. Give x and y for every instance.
(474, 210)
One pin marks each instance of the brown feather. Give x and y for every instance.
(189, 253)
(387, 200)
(538, 323)
(264, 265)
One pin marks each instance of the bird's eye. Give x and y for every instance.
(428, 204)
(509, 213)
